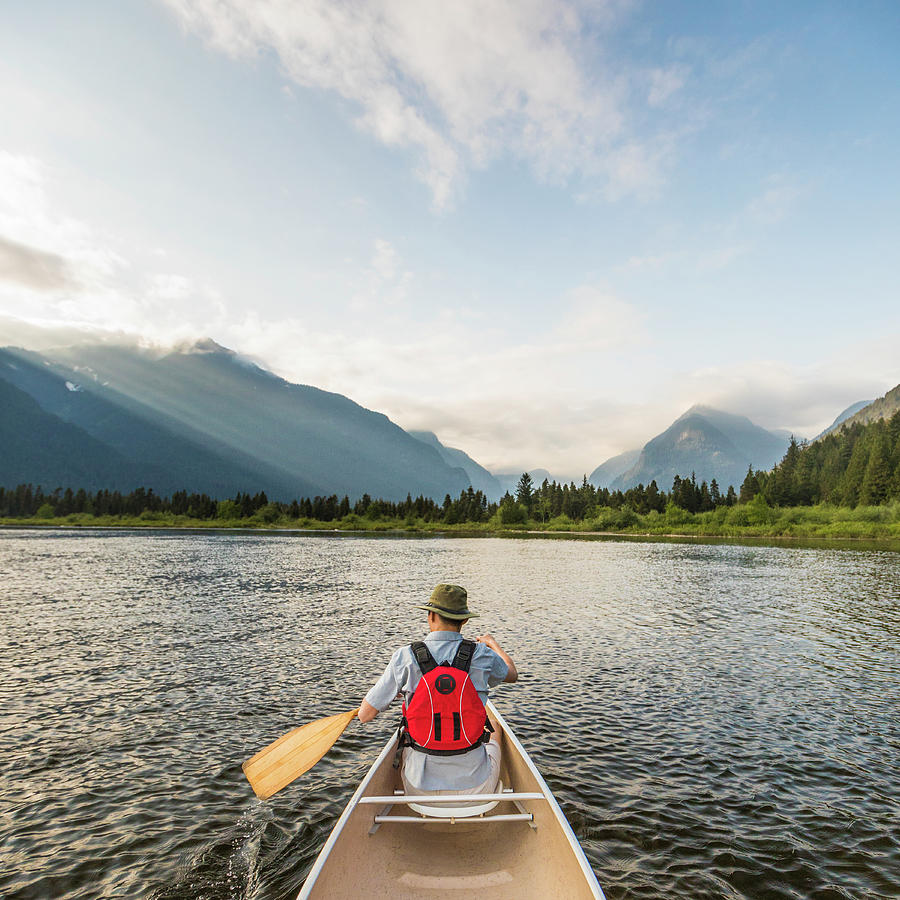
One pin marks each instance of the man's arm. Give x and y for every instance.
(513, 674)
(382, 692)
(367, 712)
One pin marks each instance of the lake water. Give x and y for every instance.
(716, 721)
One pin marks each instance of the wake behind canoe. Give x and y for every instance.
(523, 847)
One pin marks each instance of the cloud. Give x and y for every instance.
(597, 319)
(385, 282)
(58, 270)
(634, 168)
(728, 240)
(166, 286)
(463, 83)
(45, 249)
(664, 83)
(775, 202)
(385, 260)
(778, 394)
(653, 261)
(709, 259)
(32, 267)
(717, 258)
(44, 335)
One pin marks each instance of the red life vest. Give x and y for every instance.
(445, 716)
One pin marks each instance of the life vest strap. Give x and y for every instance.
(423, 656)
(462, 660)
(464, 654)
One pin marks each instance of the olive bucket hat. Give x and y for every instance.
(450, 600)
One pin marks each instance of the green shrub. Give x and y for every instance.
(560, 523)
(610, 519)
(871, 514)
(675, 515)
(512, 513)
(269, 513)
(738, 515)
(759, 512)
(228, 509)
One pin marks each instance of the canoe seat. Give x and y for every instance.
(462, 811)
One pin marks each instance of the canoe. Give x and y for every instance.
(512, 844)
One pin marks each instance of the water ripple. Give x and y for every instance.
(716, 721)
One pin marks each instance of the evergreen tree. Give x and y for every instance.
(750, 486)
(876, 481)
(655, 499)
(786, 492)
(851, 482)
(524, 490)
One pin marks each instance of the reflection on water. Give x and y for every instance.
(716, 721)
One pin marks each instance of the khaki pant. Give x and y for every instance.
(488, 786)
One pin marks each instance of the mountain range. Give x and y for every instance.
(606, 473)
(202, 418)
(479, 477)
(848, 413)
(711, 443)
(864, 413)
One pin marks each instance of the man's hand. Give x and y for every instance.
(488, 640)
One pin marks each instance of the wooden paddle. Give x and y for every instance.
(294, 753)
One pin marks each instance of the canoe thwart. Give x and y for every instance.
(425, 820)
(433, 799)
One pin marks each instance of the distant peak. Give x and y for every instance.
(204, 345)
(699, 409)
(429, 437)
(715, 416)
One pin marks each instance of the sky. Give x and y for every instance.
(541, 230)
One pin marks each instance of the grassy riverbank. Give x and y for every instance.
(755, 519)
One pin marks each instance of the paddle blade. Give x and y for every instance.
(293, 754)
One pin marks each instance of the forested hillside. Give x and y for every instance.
(857, 465)
(882, 408)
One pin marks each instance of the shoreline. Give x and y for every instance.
(386, 529)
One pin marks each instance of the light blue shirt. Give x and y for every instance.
(435, 773)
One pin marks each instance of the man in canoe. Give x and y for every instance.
(449, 751)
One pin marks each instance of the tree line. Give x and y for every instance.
(548, 501)
(28, 501)
(857, 465)
(551, 500)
